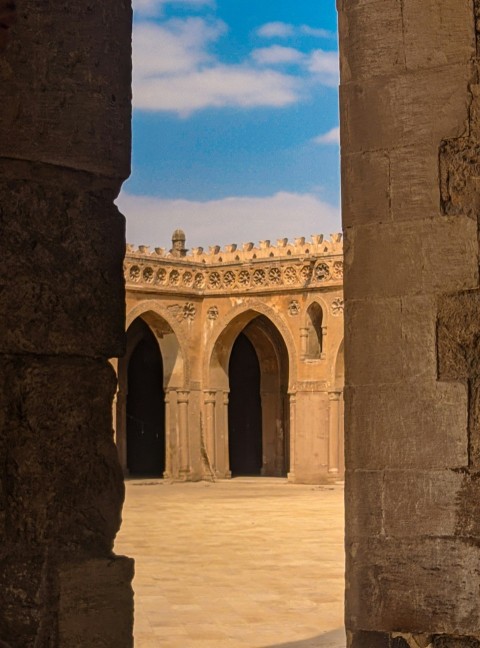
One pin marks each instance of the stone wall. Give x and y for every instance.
(64, 152)
(409, 111)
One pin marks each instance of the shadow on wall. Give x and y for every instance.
(334, 639)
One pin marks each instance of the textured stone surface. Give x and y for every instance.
(410, 135)
(91, 594)
(64, 151)
(66, 74)
(62, 243)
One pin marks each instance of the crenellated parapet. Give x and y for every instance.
(249, 267)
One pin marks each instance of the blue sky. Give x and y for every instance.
(235, 126)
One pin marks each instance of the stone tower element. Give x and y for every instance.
(178, 244)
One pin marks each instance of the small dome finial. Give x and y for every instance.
(178, 243)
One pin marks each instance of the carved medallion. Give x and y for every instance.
(293, 308)
(337, 307)
(212, 313)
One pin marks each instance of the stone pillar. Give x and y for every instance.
(64, 153)
(410, 136)
(120, 427)
(292, 432)
(209, 400)
(183, 438)
(303, 343)
(333, 432)
(169, 445)
(228, 474)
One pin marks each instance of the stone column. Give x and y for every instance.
(293, 413)
(183, 438)
(303, 342)
(64, 152)
(209, 400)
(228, 474)
(120, 427)
(333, 432)
(410, 135)
(168, 438)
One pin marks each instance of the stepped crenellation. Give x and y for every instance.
(317, 245)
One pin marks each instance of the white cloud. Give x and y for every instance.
(276, 30)
(286, 30)
(150, 8)
(174, 71)
(324, 65)
(218, 86)
(317, 32)
(277, 54)
(331, 137)
(174, 47)
(151, 220)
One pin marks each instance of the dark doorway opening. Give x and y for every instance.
(245, 409)
(145, 408)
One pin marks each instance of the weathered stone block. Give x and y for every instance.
(361, 170)
(95, 603)
(455, 642)
(61, 279)
(365, 513)
(366, 57)
(408, 593)
(387, 114)
(362, 639)
(406, 425)
(414, 188)
(408, 353)
(416, 253)
(418, 503)
(437, 33)
(65, 86)
(56, 416)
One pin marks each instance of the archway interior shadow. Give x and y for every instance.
(145, 407)
(245, 410)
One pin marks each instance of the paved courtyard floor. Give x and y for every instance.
(244, 563)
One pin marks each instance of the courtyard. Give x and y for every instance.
(241, 563)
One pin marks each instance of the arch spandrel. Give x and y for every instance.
(226, 330)
(174, 352)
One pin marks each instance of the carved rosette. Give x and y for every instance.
(337, 307)
(290, 274)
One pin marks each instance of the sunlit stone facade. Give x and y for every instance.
(234, 361)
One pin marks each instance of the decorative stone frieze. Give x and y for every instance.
(246, 269)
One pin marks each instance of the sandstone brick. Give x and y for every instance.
(417, 425)
(416, 253)
(386, 114)
(437, 33)
(421, 503)
(370, 169)
(415, 190)
(61, 283)
(57, 417)
(365, 513)
(94, 599)
(68, 105)
(367, 57)
(408, 594)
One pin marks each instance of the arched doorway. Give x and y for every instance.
(245, 409)
(145, 404)
(258, 413)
